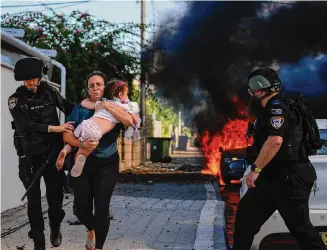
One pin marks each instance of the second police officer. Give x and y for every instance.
(282, 176)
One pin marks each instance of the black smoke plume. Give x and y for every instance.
(217, 44)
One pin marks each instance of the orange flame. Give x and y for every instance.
(232, 136)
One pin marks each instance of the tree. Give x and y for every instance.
(83, 45)
(167, 115)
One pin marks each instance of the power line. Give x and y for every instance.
(61, 7)
(42, 4)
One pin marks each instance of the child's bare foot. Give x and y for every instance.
(78, 167)
(61, 159)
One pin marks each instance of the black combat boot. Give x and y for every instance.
(39, 248)
(55, 236)
(39, 240)
(55, 233)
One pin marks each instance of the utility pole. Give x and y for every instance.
(143, 79)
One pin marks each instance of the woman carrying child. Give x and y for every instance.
(100, 173)
(100, 123)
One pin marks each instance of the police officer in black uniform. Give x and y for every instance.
(282, 176)
(38, 141)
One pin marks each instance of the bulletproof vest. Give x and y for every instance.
(291, 149)
(40, 108)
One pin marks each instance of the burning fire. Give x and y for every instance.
(232, 136)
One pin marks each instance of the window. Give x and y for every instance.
(237, 165)
(323, 135)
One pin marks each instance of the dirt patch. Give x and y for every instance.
(165, 172)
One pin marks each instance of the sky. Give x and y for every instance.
(113, 11)
(156, 12)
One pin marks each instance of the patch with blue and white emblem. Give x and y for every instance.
(12, 102)
(275, 102)
(277, 121)
(276, 111)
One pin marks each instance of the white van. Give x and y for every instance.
(274, 233)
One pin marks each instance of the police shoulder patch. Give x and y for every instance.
(276, 111)
(12, 102)
(277, 121)
(275, 102)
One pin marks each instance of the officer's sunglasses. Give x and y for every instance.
(96, 85)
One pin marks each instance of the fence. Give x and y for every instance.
(131, 152)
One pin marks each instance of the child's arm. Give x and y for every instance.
(86, 103)
(102, 105)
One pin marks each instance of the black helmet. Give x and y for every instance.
(29, 68)
(264, 79)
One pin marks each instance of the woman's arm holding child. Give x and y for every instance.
(119, 113)
(134, 110)
(136, 119)
(70, 138)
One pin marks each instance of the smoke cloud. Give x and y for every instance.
(217, 44)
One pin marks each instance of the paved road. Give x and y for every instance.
(148, 215)
(155, 216)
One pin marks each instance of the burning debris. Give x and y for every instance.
(163, 168)
(232, 136)
(185, 166)
(163, 172)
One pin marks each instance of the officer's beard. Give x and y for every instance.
(32, 89)
(254, 107)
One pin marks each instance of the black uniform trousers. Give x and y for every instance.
(289, 194)
(54, 192)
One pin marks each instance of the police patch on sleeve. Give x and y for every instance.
(277, 121)
(12, 102)
(276, 111)
(275, 102)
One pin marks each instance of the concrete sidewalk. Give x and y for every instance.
(155, 216)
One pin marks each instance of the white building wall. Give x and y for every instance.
(11, 187)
